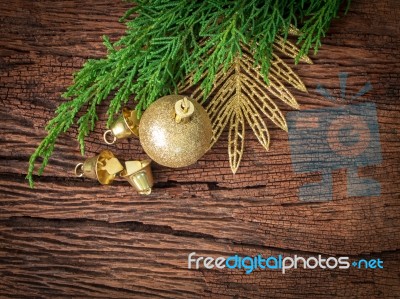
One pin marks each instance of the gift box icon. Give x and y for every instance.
(326, 139)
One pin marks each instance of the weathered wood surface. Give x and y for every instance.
(72, 237)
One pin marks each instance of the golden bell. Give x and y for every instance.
(102, 167)
(125, 126)
(138, 174)
(175, 131)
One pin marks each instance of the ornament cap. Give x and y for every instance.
(183, 110)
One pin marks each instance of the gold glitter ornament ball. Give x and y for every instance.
(175, 131)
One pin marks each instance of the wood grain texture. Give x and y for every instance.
(70, 237)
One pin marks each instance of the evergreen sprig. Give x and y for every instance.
(166, 41)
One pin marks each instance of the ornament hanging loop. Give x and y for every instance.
(79, 170)
(106, 136)
(183, 110)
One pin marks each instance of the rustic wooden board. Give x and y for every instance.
(72, 237)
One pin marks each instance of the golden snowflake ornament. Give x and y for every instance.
(240, 95)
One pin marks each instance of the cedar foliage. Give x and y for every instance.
(166, 40)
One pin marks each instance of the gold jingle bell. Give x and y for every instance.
(138, 174)
(125, 126)
(102, 167)
(175, 131)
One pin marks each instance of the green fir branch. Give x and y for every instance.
(165, 41)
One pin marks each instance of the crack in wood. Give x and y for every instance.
(22, 223)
